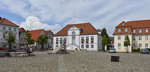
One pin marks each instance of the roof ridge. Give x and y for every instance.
(139, 20)
(35, 30)
(80, 23)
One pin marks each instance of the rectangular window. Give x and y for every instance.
(140, 30)
(134, 46)
(146, 45)
(119, 29)
(14, 29)
(4, 35)
(9, 28)
(133, 37)
(87, 39)
(140, 45)
(87, 46)
(60, 40)
(92, 46)
(146, 37)
(134, 30)
(82, 46)
(140, 37)
(92, 39)
(126, 30)
(119, 37)
(4, 28)
(56, 39)
(146, 30)
(65, 39)
(119, 45)
(56, 45)
(82, 39)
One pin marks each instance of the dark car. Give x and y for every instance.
(144, 51)
(112, 50)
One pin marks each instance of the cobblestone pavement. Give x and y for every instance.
(77, 62)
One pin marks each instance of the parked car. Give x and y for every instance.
(144, 51)
(2, 48)
(112, 50)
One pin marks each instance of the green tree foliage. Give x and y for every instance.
(104, 41)
(104, 33)
(10, 38)
(127, 42)
(42, 40)
(28, 39)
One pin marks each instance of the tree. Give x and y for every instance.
(104, 33)
(127, 42)
(10, 38)
(104, 41)
(28, 39)
(42, 40)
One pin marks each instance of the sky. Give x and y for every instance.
(56, 14)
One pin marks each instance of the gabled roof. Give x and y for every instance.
(98, 30)
(35, 33)
(7, 22)
(47, 31)
(139, 24)
(22, 29)
(86, 29)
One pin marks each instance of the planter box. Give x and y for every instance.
(114, 58)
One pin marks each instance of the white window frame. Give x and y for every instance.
(119, 29)
(134, 30)
(140, 30)
(126, 30)
(146, 30)
(92, 46)
(119, 37)
(146, 45)
(140, 37)
(119, 45)
(146, 37)
(140, 45)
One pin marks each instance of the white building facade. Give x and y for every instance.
(6, 25)
(75, 37)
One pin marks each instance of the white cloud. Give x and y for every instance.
(101, 13)
(33, 23)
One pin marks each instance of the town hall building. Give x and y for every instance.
(78, 36)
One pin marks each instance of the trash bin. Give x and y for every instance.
(114, 58)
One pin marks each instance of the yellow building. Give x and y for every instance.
(138, 32)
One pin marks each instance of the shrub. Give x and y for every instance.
(148, 49)
(136, 50)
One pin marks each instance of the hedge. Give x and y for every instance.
(136, 50)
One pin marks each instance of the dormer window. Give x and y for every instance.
(140, 30)
(134, 30)
(126, 29)
(146, 30)
(119, 29)
(123, 23)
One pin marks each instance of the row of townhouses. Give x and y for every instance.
(19, 33)
(82, 36)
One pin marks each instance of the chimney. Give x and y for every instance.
(0, 18)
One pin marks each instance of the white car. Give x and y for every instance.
(112, 50)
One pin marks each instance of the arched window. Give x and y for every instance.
(73, 33)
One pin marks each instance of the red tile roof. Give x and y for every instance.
(98, 30)
(22, 29)
(86, 29)
(140, 24)
(46, 32)
(7, 22)
(35, 33)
